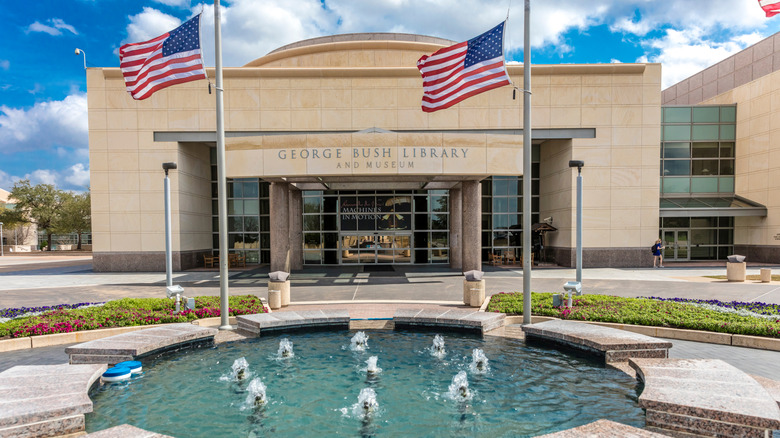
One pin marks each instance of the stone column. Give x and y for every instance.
(456, 230)
(472, 209)
(296, 228)
(280, 227)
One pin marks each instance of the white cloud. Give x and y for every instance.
(175, 3)
(77, 175)
(42, 176)
(45, 126)
(7, 181)
(54, 28)
(684, 53)
(148, 24)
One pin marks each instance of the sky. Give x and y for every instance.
(43, 104)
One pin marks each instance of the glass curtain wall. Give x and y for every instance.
(502, 211)
(697, 161)
(249, 223)
(697, 149)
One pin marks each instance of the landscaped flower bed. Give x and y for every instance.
(644, 311)
(120, 313)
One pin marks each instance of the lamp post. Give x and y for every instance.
(578, 164)
(2, 253)
(81, 52)
(171, 290)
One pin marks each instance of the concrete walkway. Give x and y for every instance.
(36, 281)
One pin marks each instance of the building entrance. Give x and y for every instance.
(677, 245)
(376, 248)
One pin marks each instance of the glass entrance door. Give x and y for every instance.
(677, 245)
(376, 248)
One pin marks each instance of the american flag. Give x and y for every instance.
(771, 7)
(171, 58)
(455, 73)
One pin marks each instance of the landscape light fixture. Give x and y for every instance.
(168, 166)
(81, 52)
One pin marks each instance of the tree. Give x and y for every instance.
(10, 217)
(75, 215)
(39, 203)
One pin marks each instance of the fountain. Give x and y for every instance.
(359, 342)
(239, 369)
(459, 388)
(371, 368)
(437, 349)
(198, 403)
(285, 349)
(479, 362)
(256, 394)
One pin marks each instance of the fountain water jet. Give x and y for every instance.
(256, 397)
(285, 349)
(437, 349)
(239, 369)
(359, 342)
(459, 388)
(371, 368)
(366, 403)
(479, 362)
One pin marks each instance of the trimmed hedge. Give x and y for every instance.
(638, 311)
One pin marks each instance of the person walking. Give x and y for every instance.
(658, 258)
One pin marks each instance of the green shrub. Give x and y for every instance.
(638, 311)
(124, 313)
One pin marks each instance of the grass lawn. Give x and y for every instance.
(756, 319)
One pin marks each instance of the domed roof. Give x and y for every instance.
(340, 50)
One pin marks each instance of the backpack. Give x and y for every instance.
(652, 249)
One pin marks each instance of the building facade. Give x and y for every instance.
(331, 161)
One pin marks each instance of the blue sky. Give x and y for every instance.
(43, 123)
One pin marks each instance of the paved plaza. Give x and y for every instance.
(47, 280)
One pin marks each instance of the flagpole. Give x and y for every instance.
(527, 177)
(222, 180)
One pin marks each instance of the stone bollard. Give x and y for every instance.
(473, 283)
(476, 293)
(766, 275)
(278, 281)
(274, 299)
(736, 271)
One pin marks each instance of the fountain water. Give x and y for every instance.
(366, 403)
(459, 388)
(359, 342)
(256, 394)
(479, 362)
(239, 369)
(371, 368)
(437, 349)
(201, 400)
(285, 349)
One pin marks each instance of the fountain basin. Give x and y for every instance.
(528, 391)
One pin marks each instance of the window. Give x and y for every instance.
(704, 161)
